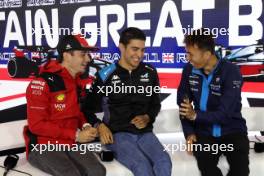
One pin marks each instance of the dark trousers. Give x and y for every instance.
(64, 163)
(237, 159)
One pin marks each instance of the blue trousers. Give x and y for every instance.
(141, 153)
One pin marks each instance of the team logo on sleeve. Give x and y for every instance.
(237, 84)
(37, 87)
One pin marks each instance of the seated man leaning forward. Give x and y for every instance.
(209, 96)
(126, 90)
(54, 116)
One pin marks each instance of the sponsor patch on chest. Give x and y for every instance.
(144, 77)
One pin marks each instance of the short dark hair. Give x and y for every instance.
(131, 33)
(202, 38)
(60, 56)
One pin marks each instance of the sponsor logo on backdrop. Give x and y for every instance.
(181, 57)
(5, 56)
(74, 1)
(167, 57)
(32, 3)
(10, 3)
(151, 58)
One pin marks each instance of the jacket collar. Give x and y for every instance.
(216, 68)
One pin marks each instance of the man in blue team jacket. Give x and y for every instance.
(129, 113)
(209, 97)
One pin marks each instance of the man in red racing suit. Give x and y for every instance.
(54, 115)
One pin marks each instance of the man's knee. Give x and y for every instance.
(238, 171)
(165, 158)
(142, 168)
(239, 168)
(163, 164)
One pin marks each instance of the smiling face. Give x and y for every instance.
(76, 61)
(197, 57)
(132, 54)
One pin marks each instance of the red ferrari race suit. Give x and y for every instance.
(53, 110)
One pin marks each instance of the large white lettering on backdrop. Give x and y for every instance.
(48, 30)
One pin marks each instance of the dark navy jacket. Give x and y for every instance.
(216, 98)
(121, 107)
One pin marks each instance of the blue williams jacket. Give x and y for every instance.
(216, 98)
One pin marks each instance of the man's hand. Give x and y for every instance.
(190, 140)
(187, 111)
(140, 121)
(106, 136)
(87, 135)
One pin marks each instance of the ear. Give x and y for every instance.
(121, 47)
(66, 56)
(207, 54)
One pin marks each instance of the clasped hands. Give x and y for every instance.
(87, 134)
(106, 136)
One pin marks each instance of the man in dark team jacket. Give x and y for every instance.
(213, 86)
(129, 94)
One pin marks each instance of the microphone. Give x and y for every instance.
(106, 155)
(185, 98)
(10, 162)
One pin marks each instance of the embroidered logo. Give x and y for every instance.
(60, 98)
